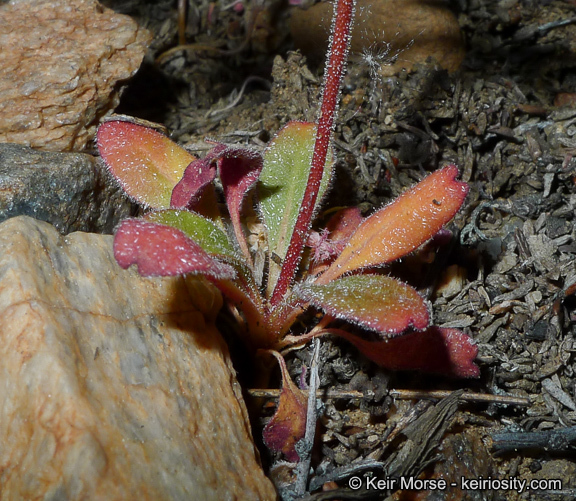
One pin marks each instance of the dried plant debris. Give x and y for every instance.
(506, 276)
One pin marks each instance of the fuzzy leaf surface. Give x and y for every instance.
(197, 176)
(283, 179)
(203, 231)
(377, 302)
(213, 240)
(161, 250)
(438, 350)
(402, 226)
(239, 169)
(288, 424)
(147, 164)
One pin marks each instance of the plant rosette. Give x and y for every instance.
(258, 247)
(185, 232)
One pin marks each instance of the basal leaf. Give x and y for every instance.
(399, 228)
(239, 169)
(203, 231)
(436, 350)
(283, 180)
(197, 176)
(161, 250)
(344, 223)
(146, 163)
(288, 424)
(373, 301)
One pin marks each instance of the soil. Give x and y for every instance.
(507, 118)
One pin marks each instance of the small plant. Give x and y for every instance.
(263, 255)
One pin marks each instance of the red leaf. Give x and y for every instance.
(161, 250)
(288, 424)
(437, 350)
(373, 301)
(146, 163)
(239, 169)
(399, 228)
(344, 223)
(199, 174)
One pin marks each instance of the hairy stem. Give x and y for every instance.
(333, 74)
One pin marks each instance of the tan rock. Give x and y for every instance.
(62, 61)
(113, 386)
(411, 30)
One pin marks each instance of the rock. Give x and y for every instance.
(62, 62)
(412, 30)
(70, 190)
(114, 386)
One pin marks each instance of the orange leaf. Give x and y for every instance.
(402, 226)
(146, 163)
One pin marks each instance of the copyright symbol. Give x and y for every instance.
(355, 483)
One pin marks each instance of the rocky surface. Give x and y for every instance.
(62, 62)
(72, 191)
(507, 118)
(113, 386)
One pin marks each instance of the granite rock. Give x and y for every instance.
(114, 386)
(72, 191)
(62, 62)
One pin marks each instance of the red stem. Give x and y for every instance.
(333, 74)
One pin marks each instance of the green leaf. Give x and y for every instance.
(203, 231)
(374, 301)
(283, 179)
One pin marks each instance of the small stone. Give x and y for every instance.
(114, 386)
(411, 30)
(72, 191)
(451, 282)
(62, 62)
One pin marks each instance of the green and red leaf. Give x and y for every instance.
(288, 424)
(213, 241)
(373, 301)
(201, 230)
(437, 350)
(402, 226)
(283, 181)
(161, 250)
(147, 164)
